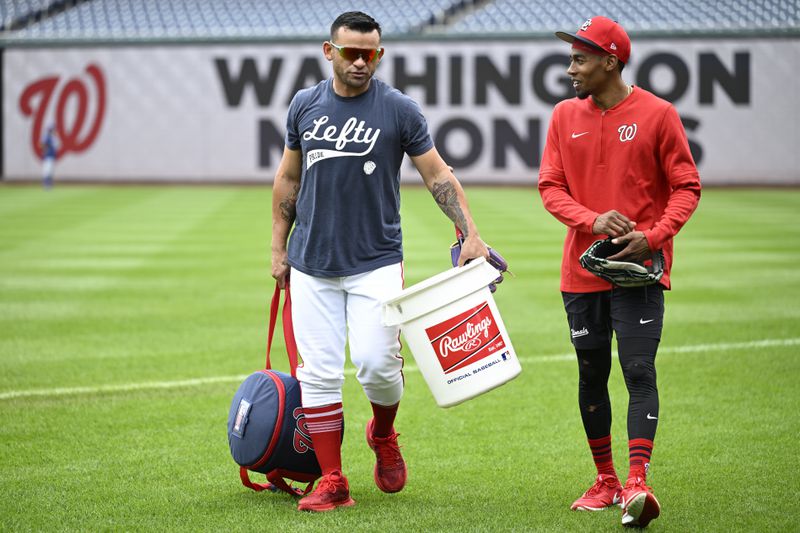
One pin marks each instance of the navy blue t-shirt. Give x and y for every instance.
(348, 207)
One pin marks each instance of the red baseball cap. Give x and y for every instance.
(602, 34)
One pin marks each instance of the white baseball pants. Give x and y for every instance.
(327, 313)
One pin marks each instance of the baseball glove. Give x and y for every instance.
(495, 259)
(621, 273)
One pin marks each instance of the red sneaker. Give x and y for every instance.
(332, 491)
(604, 493)
(390, 469)
(639, 505)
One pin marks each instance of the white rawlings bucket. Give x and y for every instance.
(454, 330)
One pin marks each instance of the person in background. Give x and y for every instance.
(49, 147)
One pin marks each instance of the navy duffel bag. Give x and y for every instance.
(267, 430)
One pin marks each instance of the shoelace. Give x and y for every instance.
(388, 451)
(637, 483)
(597, 487)
(327, 484)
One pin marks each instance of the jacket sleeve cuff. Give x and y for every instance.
(588, 222)
(654, 239)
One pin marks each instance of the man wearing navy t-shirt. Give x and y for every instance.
(337, 189)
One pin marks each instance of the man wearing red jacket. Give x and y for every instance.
(616, 163)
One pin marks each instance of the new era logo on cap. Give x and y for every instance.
(602, 34)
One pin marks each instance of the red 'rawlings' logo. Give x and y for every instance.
(466, 338)
(36, 98)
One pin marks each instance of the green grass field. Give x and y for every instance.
(129, 316)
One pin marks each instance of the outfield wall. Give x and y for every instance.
(216, 112)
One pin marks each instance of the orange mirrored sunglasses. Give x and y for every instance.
(352, 54)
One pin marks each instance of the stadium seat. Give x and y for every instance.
(543, 16)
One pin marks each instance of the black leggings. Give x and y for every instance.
(637, 359)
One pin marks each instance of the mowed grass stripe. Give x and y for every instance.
(72, 391)
(130, 273)
(108, 239)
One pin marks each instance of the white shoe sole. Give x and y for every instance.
(615, 503)
(641, 510)
(593, 509)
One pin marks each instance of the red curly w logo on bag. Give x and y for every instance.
(466, 338)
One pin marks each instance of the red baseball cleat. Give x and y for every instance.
(639, 505)
(332, 491)
(390, 469)
(604, 493)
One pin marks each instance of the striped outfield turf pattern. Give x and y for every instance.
(127, 315)
(538, 359)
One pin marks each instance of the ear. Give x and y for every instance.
(327, 50)
(611, 63)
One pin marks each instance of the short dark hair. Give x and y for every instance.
(355, 20)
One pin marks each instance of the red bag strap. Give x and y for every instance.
(276, 478)
(276, 482)
(258, 487)
(288, 331)
(273, 317)
(288, 328)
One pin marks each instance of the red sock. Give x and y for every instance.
(640, 451)
(325, 426)
(601, 453)
(384, 419)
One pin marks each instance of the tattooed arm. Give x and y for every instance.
(450, 197)
(284, 202)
